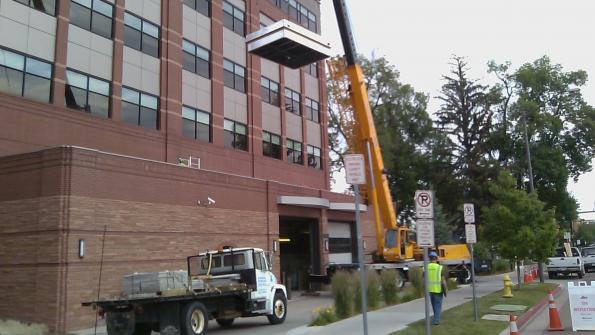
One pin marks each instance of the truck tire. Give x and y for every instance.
(195, 319)
(580, 274)
(279, 309)
(225, 322)
(551, 275)
(143, 329)
(401, 279)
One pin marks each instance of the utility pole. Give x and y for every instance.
(531, 185)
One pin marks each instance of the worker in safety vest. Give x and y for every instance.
(436, 286)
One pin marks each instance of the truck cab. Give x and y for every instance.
(567, 260)
(588, 254)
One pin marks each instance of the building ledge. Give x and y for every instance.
(314, 202)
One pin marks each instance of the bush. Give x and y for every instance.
(390, 289)
(342, 290)
(323, 316)
(416, 278)
(372, 290)
(357, 292)
(408, 295)
(501, 265)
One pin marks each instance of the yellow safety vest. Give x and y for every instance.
(434, 278)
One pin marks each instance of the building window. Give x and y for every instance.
(234, 75)
(235, 135)
(298, 12)
(139, 108)
(312, 69)
(294, 152)
(339, 245)
(312, 110)
(292, 101)
(141, 35)
(269, 91)
(87, 94)
(292, 10)
(93, 15)
(46, 6)
(196, 124)
(201, 6)
(196, 59)
(233, 18)
(271, 145)
(312, 22)
(314, 157)
(25, 76)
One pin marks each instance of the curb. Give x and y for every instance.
(535, 309)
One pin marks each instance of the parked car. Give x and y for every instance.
(563, 263)
(589, 258)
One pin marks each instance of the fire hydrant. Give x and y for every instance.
(507, 287)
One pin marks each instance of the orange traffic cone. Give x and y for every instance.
(555, 323)
(513, 328)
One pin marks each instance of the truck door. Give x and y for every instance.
(264, 278)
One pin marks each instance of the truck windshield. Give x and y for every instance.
(588, 251)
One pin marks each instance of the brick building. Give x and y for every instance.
(145, 129)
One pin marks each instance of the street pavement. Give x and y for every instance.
(539, 324)
(380, 322)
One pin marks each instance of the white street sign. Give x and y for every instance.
(424, 204)
(425, 233)
(470, 233)
(567, 235)
(355, 169)
(469, 212)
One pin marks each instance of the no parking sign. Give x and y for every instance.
(582, 305)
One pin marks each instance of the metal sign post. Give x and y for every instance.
(471, 237)
(424, 225)
(356, 175)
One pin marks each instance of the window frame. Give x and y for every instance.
(292, 99)
(312, 69)
(275, 148)
(312, 161)
(140, 106)
(31, 4)
(142, 32)
(235, 75)
(234, 132)
(196, 56)
(291, 150)
(312, 114)
(234, 17)
(265, 84)
(93, 11)
(87, 90)
(25, 72)
(196, 112)
(196, 7)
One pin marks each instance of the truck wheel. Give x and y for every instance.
(143, 329)
(225, 322)
(551, 275)
(279, 309)
(195, 319)
(580, 274)
(401, 279)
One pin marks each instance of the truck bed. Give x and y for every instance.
(142, 300)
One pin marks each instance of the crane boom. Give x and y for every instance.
(391, 239)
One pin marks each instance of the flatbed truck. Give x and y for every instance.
(222, 285)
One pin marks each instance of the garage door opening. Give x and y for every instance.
(299, 250)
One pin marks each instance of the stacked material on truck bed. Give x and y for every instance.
(154, 282)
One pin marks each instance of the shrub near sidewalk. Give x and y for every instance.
(390, 289)
(372, 291)
(342, 294)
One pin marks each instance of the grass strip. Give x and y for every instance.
(459, 319)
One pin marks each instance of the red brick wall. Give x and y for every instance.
(53, 198)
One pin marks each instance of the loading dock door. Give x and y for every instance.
(299, 250)
(341, 243)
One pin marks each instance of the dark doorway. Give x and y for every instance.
(299, 246)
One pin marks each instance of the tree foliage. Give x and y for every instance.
(517, 224)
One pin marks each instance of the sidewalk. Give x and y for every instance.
(394, 318)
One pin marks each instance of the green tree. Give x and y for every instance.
(586, 234)
(517, 223)
(466, 118)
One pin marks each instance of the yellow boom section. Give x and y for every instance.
(377, 189)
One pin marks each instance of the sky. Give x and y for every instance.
(420, 36)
